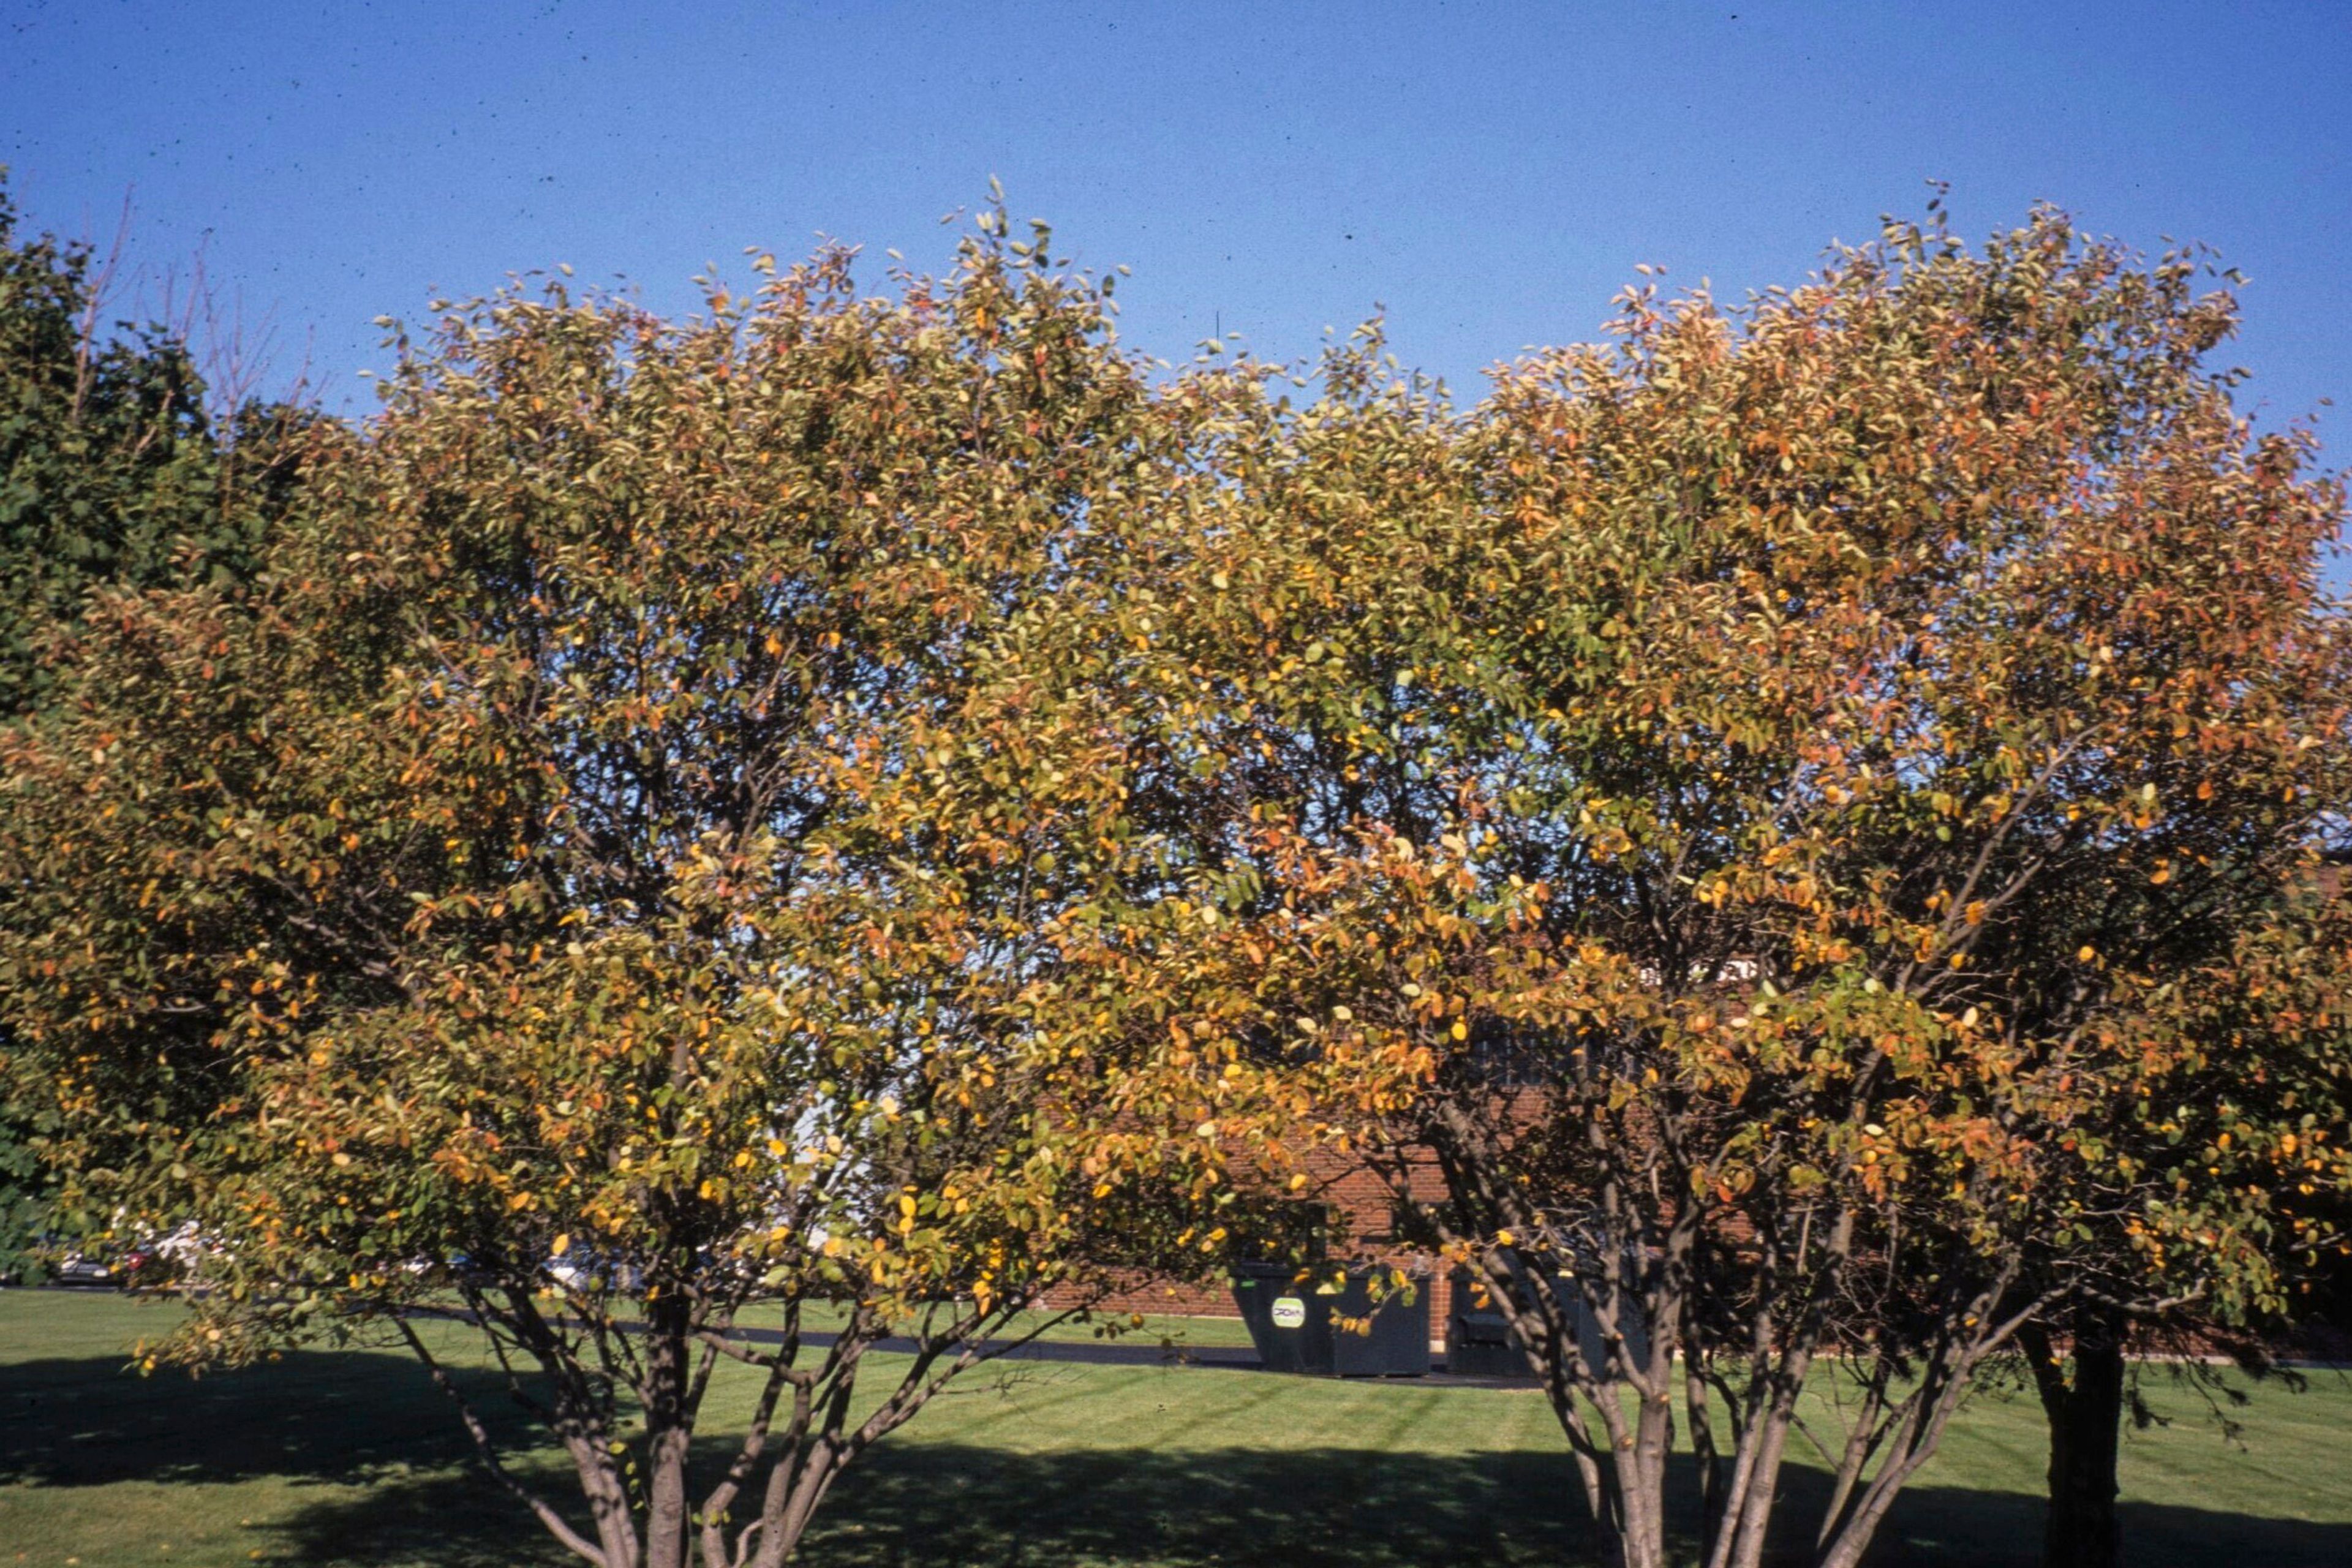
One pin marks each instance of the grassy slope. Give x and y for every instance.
(341, 1458)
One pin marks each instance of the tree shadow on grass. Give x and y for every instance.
(370, 1421)
(313, 1415)
(918, 1504)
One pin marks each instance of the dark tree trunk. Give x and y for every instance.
(669, 1430)
(2085, 1413)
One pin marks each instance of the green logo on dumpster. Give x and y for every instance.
(1289, 1312)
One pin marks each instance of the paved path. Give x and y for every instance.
(1085, 1352)
(1137, 1351)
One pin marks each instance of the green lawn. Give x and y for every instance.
(1177, 1333)
(343, 1458)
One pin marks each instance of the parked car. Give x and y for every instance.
(581, 1271)
(81, 1270)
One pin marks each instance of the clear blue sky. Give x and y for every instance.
(1490, 173)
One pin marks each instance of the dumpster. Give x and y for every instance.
(1479, 1341)
(1296, 1325)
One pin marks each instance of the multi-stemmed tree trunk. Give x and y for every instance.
(638, 857)
(1759, 810)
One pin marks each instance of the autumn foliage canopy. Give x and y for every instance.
(1797, 838)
